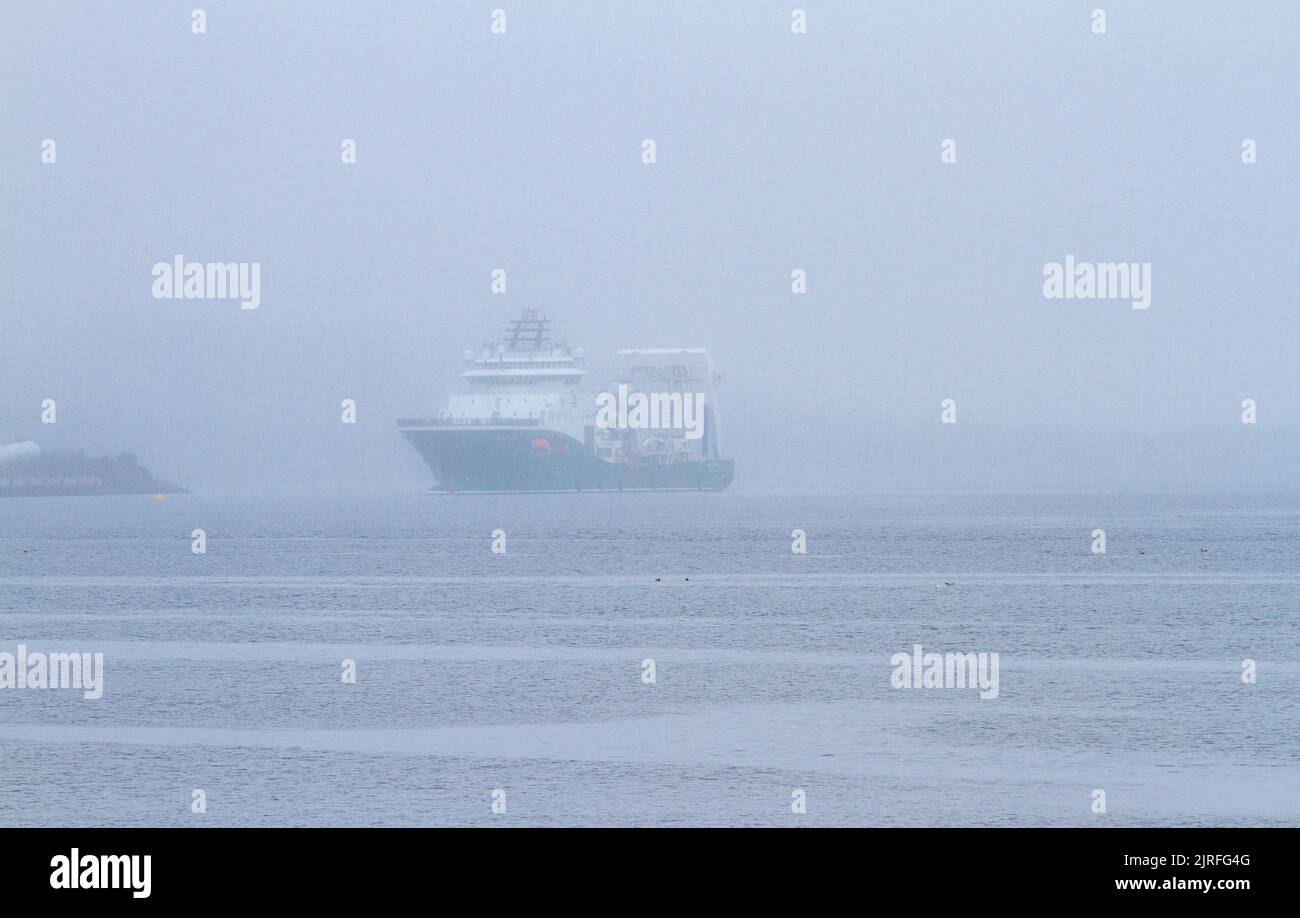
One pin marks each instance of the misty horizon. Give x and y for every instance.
(822, 154)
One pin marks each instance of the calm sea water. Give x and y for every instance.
(522, 671)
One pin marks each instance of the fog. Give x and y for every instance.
(775, 151)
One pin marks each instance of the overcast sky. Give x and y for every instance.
(775, 151)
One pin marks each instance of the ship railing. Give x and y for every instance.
(468, 422)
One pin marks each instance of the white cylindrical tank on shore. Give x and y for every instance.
(24, 449)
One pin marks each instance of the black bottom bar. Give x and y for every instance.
(946, 868)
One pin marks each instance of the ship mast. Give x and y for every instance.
(529, 332)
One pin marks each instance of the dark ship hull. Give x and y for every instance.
(61, 475)
(536, 459)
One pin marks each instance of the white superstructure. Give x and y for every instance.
(525, 379)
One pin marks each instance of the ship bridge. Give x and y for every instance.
(525, 356)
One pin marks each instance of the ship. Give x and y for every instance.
(27, 471)
(528, 419)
